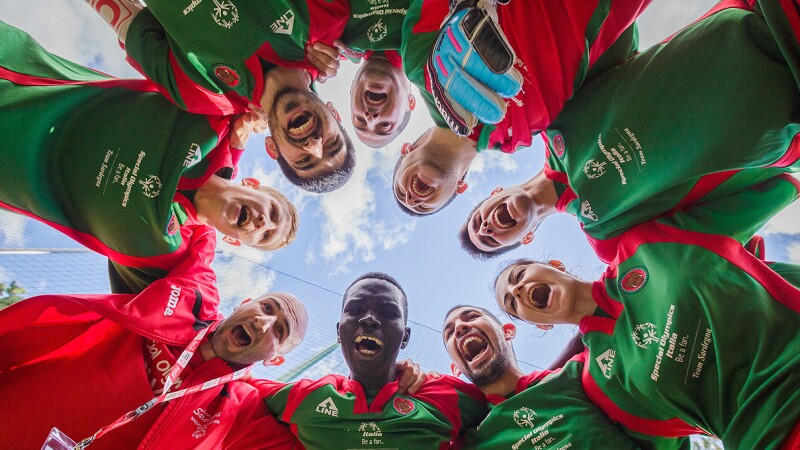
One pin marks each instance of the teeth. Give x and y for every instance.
(243, 214)
(246, 330)
(363, 349)
(419, 190)
(499, 214)
(301, 129)
(468, 354)
(360, 339)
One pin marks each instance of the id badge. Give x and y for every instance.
(57, 440)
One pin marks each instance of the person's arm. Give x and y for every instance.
(118, 14)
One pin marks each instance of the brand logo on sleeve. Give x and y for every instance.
(594, 169)
(606, 362)
(644, 334)
(524, 417)
(172, 301)
(151, 186)
(227, 74)
(377, 31)
(203, 420)
(194, 156)
(284, 24)
(586, 211)
(403, 405)
(558, 145)
(633, 280)
(225, 13)
(328, 407)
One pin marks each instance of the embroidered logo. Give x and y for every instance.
(227, 74)
(370, 433)
(377, 31)
(633, 280)
(403, 405)
(194, 156)
(225, 13)
(284, 24)
(644, 334)
(586, 211)
(151, 186)
(524, 417)
(328, 407)
(594, 169)
(606, 361)
(558, 145)
(172, 225)
(172, 301)
(203, 420)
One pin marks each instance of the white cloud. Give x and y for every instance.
(239, 278)
(786, 221)
(793, 252)
(12, 229)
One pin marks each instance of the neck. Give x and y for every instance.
(542, 193)
(207, 195)
(206, 350)
(280, 78)
(460, 151)
(506, 383)
(584, 303)
(374, 382)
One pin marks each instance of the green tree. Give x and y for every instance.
(10, 293)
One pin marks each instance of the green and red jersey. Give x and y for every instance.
(103, 157)
(559, 45)
(549, 410)
(209, 57)
(695, 334)
(335, 413)
(649, 136)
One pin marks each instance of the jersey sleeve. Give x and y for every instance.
(274, 394)
(646, 442)
(741, 214)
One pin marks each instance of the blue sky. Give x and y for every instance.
(359, 228)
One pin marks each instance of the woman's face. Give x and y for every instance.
(537, 293)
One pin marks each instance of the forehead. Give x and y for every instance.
(374, 289)
(462, 312)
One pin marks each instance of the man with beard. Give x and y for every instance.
(216, 58)
(547, 408)
(365, 410)
(78, 362)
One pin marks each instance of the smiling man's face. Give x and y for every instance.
(372, 328)
(476, 345)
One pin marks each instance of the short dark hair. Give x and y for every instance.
(485, 311)
(404, 208)
(327, 182)
(387, 278)
(475, 252)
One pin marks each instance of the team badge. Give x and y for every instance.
(227, 74)
(172, 225)
(524, 417)
(594, 169)
(151, 186)
(558, 145)
(404, 406)
(225, 13)
(633, 280)
(377, 31)
(644, 334)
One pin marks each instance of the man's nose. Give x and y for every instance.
(313, 145)
(369, 321)
(485, 228)
(461, 329)
(264, 322)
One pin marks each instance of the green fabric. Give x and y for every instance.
(375, 25)
(638, 137)
(554, 413)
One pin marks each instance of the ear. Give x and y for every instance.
(545, 327)
(232, 241)
(496, 190)
(405, 149)
(247, 300)
(276, 360)
(334, 111)
(509, 331)
(454, 370)
(271, 146)
(251, 182)
(338, 338)
(412, 102)
(557, 264)
(406, 337)
(461, 187)
(528, 238)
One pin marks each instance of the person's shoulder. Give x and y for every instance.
(446, 384)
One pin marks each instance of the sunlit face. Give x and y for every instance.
(379, 101)
(536, 293)
(252, 216)
(501, 220)
(260, 329)
(424, 180)
(476, 345)
(306, 133)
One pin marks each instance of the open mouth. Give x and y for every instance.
(420, 188)
(473, 346)
(368, 345)
(375, 98)
(502, 217)
(301, 125)
(244, 216)
(241, 336)
(540, 296)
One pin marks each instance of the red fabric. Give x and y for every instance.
(793, 441)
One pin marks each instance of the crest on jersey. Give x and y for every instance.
(227, 75)
(377, 31)
(404, 406)
(172, 225)
(558, 145)
(225, 13)
(633, 280)
(594, 169)
(151, 186)
(524, 417)
(644, 334)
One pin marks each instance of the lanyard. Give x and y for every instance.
(176, 370)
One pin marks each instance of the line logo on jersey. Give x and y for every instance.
(644, 334)
(328, 407)
(524, 417)
(594, 169)
(586, 211)
(151, 186)
(227, 75)
(194, 156)
(558, 145)
(606, 362)
(225, 13)
(172, 301)
(203, 420)
(633, 280)
(377, 31)
(404, 406)
(284, 24)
